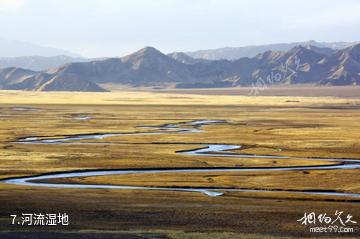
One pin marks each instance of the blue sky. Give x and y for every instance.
(116, 27)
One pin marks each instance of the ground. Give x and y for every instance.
(298, 127)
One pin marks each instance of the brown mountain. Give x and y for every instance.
(233, 53)
(21, 79)
(183, 58)
(145, 67)
(151, 68)
(343, 67)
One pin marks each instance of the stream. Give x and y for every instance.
(206, 150)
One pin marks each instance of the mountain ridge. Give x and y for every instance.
(38, 63)
(232, 53)
(12, 48)
(149, 67)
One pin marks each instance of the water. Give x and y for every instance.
(207, 150)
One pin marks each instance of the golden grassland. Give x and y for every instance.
(277, 90)
(292, 126)
(150, 98)
(293, 180)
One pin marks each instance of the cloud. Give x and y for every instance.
(10, 5)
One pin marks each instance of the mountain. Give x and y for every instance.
(38, 63)
(22, 79)
(183, 58)
(11, 48)
(13, 78)
(232, 53)
(321, 50)
(308, 65)
(344, 67)
(148, 67)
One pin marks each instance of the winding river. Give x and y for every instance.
(206, 150)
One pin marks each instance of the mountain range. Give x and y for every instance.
(38, 58)
(38, 63)
(12, 48)
(149, 67)
(233, 53)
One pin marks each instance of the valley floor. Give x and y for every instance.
(298, 128)
(277, 90)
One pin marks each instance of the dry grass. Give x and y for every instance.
(300, 127)
(277, 90)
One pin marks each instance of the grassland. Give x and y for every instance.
(278, 90)
(292, 126)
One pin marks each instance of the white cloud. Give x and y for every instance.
(9, 5)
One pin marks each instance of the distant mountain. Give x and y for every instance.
(21, 79)
(38, 63)
(146, 67)
(344, 67)
(149, 67)
(11, 48)
(233, 53)
(296, 66)
(321, 50)
(183, 58)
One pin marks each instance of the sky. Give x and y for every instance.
(99, 28)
